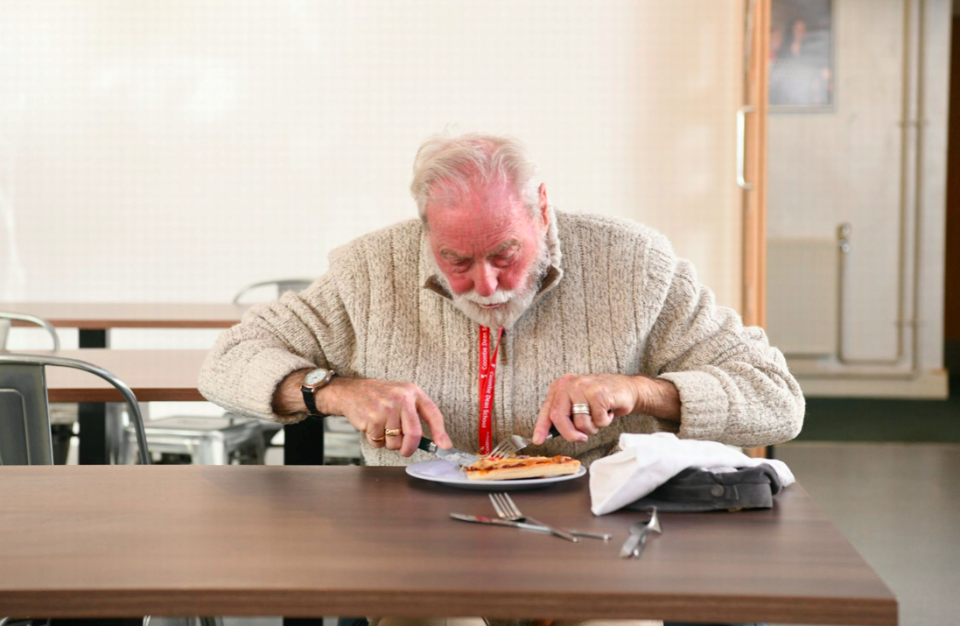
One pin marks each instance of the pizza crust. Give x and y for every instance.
(522, 467)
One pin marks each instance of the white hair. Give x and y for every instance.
(470, 161)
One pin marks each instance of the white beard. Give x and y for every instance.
(517, 300)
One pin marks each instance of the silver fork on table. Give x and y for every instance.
(506, 509)
(633, 547)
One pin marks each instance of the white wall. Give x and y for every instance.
(176, 150)
(846, 166)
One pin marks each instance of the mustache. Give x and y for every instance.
(499, 296)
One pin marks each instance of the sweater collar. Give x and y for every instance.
(428, 280)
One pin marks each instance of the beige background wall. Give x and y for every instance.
(177, 150)
(846, 166)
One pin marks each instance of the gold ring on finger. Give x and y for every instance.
(377, 439)
(581, 409)
(393, 432)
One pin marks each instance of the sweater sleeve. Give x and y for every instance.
(302, 330)
(734, 387)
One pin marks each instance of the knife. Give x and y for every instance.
(457, 456)
(493, 521)
(633, 546)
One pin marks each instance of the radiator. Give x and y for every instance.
(802, 292)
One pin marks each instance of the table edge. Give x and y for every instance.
(307, 602)
(143, 394)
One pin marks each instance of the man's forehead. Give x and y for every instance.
(463, 219)
(469, 233)
(478, 219)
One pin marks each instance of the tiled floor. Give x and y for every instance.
(899, 505)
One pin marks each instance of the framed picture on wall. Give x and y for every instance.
(802, 73)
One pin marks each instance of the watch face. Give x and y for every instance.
(314, 377)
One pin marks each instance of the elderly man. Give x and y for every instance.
(493, 314)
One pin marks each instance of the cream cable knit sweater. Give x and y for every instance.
(619, 302)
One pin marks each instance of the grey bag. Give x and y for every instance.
(697, 490)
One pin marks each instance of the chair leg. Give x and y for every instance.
(117, 421)
(210, 453)
(211, 621)
(124, 451)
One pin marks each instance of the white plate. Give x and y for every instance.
(448, 473)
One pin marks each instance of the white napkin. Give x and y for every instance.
(647, 461)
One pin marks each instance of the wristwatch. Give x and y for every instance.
(314, 380)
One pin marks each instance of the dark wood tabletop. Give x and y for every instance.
(152, 375)
(304, 541)
(104, 316)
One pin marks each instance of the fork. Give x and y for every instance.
(506, 509)
(515, 443)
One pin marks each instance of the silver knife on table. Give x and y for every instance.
(494, 521)
(457, 456)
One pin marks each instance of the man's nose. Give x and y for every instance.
(485, 280)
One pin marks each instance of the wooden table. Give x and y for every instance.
(104, 316)
(152, 375)
(89, 541)
(303, 442)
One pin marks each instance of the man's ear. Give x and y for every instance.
(544, 213)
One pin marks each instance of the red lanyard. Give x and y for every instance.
(488, 377)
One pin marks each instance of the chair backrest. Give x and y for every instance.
(24, 411)
(282, 285)
(24, 416)
(6, 318)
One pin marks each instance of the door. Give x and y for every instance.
(752, 168)
(752, 162)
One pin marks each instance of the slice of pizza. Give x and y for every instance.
(521, 467)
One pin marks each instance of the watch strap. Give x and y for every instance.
(310, 401)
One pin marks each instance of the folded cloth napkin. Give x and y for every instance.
(647, 461)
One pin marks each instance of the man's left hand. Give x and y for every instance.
(608, 396)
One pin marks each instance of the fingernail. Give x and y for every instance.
(582, 438)
(446, 443)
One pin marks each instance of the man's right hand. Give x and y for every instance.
(372, 406)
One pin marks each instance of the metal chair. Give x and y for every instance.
(341, 442)
(63, 416)
(25, 413)
(180, 621)
(206, 440)
(5, 323)
(283, 285)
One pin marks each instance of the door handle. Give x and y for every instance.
(741, 146)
